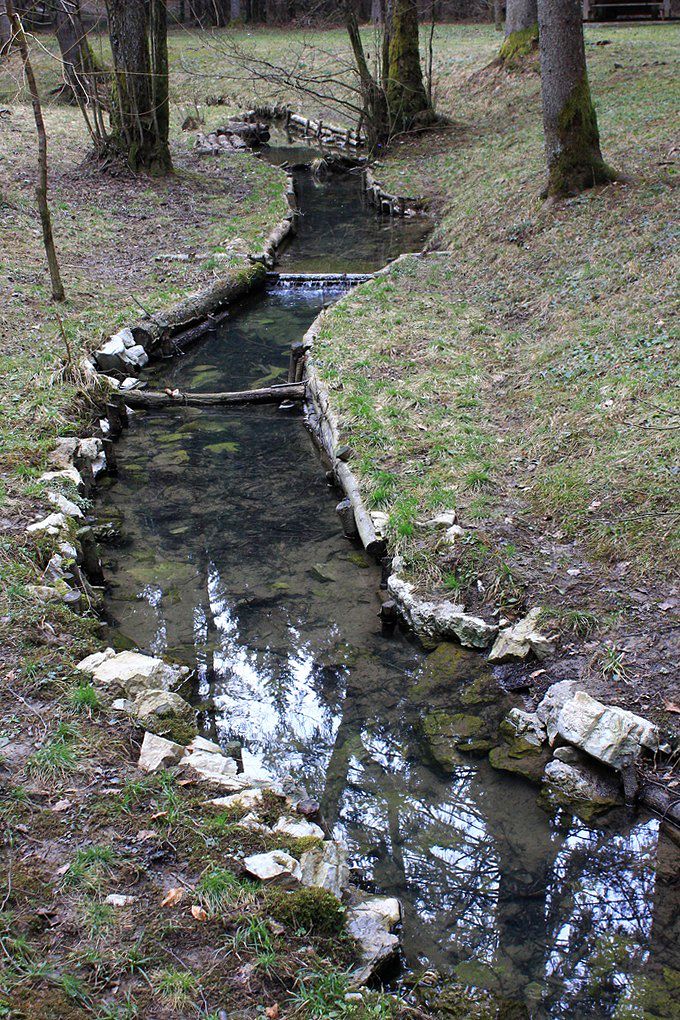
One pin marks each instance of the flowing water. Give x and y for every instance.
(232, 560)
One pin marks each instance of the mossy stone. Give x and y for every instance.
(446, 668)
(448, 734)
(530, 765)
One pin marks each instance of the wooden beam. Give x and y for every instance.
(175, 398)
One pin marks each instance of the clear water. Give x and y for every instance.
(231, 560)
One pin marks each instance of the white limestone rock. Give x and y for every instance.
(246, 800)
(325, 867)
(66, 506)
(612, 735)
(439, 621)
(69, 474)
(120, 900)
(550, 707)
(165, 714)
(298, 828)
(525, 726)
(128, 674)
(274, 868)
(61, 457)
(53, 524)
(92, 450)
(371, 922)
(158, 753)
(91, 662)
(215, 768)
(518, 641)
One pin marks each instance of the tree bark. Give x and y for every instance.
(406, 96)
(572, 139)
(235, 10)
(19, 37)
(498, 15)
(521, 32)
(139, 111)
(5, 29)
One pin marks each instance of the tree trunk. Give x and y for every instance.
(374, 100)
(5, 29)
(235, 10)
(86, 81)
(139, 113)
(521, 32)
(406, 96)
(498, 15)
(18, 36)
(572, 140)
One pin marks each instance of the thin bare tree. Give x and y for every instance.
(18, 38)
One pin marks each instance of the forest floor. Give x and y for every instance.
(550, 430)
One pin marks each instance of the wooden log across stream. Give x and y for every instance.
(177, 398)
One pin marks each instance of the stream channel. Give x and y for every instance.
(232, 561)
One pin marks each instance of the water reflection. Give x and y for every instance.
(231, 560)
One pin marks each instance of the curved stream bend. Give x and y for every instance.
(233, 562)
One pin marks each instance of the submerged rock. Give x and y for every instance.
(529, 765)
(166, 714)
(449, 733)
(275, 868)
(612, 735)
(518, 641)
(581, 789)
(439, 621)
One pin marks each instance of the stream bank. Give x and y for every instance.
(231, 590)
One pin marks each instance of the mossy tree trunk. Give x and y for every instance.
(405, 89)
(139, 111)
(572, 139)
(521, 32)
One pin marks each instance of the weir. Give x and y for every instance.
(229, 557)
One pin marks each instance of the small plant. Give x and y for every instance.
(612, 663)
(89, 868)
(219, 888)
(84, 698)
(97, 917)
(57, 757)
(320, 995)
(176, 987)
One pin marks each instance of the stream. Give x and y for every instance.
(231, 560)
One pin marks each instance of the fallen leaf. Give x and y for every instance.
(272, 1012)
(145, 834)
(199, 913)
(61, 805)
(173, 897)
(159, 814)
(670, 706)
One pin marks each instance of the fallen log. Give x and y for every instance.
(176, 398)
(197, 306)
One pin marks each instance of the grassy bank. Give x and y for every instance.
(524, 376)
